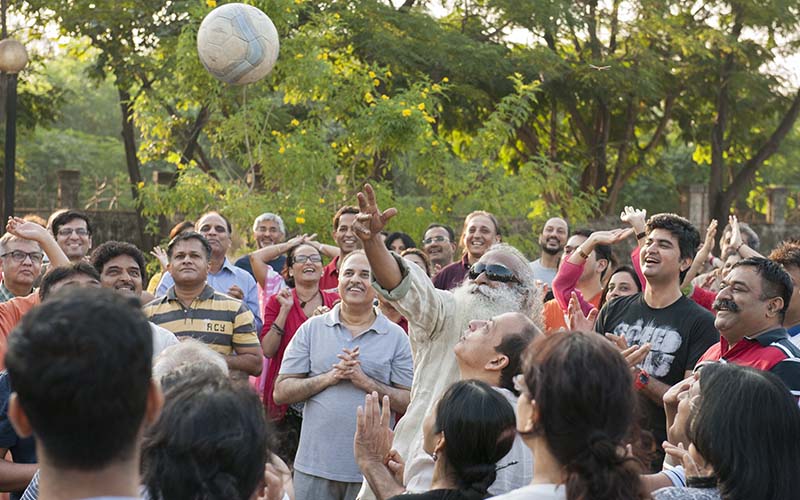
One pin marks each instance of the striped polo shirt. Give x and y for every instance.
(216, 319)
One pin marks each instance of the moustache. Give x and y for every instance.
(725, 304)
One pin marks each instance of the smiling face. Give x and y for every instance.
(741, 310)
(438, 246)
(660, 257)
(355, 288)
(74, 239)
(310, 269)
(215, 230)
(621, 284)
(345, 236)
(554, 236)
(267, 233)
(122, 273)
(188, 263)
(21, 273)
(479, 234)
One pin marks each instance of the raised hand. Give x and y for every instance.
(736, 235)
(711, 233)
(577, 320)
(637, 218)
(25, 229)
(373, 438)
(160, 254)
(371, 220)
(610, 237)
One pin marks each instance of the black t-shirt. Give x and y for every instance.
(679, 335)
(434, 495)
(277, 264)
(23, 450)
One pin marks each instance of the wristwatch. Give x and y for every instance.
(642, 379)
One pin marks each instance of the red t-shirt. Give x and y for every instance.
(330, 276)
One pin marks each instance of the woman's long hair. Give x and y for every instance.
(584, 394)
(478, 424)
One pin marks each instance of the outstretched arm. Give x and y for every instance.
(32, 231)
(369, 223)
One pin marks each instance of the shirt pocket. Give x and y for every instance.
(378, 369)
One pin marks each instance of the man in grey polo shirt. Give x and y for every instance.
(330, 363)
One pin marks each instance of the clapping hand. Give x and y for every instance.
(577, 320)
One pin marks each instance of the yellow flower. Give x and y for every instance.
(322, 201)
(300, 220)
(298, 2)
(275, 133)
(445, 79)
(303, 132)
(282, 150)
(140, 184)
(421, 106)
(372, 74)
(302, 211)
(406, 112)
(211, 3)
(435, 143)
(368, 97)
(436, 87)
(402, 103)
(295, 122)
(323, 56)
(429, 119)
(298, 56)
(388, 74)
(384, 97)
(334, 145)
(376, 82)
(420, 210)
(336, 15)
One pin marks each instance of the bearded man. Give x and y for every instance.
(500, 281)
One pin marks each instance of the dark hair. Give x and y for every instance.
(601, 252)
(290, 262)
(188, 454)
(775, 281)
(512, 346)
(787, 253)
(189, 235)
(80, 364)
(67, 216)
(749, 237)
(586, 402)
(408, 241)
(680, 228)
(347, 209)
(478, 424)
(422, 255)
(214, 212)
(180, 227)
(746, 426)
(111, 249)
(447, 228)
(57, 274)
(620, 269)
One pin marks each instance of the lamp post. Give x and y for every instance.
(13, 58)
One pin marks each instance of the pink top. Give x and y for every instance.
(565, 283)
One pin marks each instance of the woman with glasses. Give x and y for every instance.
(575, 412)
(283, 315)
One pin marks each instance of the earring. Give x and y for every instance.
(434, 457)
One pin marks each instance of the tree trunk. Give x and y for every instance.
(132, 161)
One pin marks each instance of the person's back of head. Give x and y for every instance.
(210, 443)
(746, 425)
(478, 425)
(56, 276)
(189, 352)
(585, 403)
(80, 365)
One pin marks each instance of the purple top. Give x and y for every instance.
(452, 275)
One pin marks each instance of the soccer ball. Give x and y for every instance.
(237, 43)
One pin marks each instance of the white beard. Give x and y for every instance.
(483, 302)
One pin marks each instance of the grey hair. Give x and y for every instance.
(185, 353)
(8, 238)
(532, 304)
(267, 216)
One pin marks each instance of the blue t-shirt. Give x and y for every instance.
(23, 450)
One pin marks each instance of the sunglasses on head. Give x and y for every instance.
(493, 272)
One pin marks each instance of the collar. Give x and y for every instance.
(226, 264)
(333, 267)
(770, 336)
(379, 326)
(206, 294)
(5, 293)
(465, 261)
(793, 330)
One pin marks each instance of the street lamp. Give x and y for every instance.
(13, 58)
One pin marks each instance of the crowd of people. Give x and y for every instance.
(395, 371)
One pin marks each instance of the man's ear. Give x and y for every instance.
(602, 265)
(774, 306)
(686, 263)
(155, 401)
(497, 363)
(18, 418)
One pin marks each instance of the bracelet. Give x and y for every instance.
(641, 235)
(740, 246)
(582, 254)
(280, 331)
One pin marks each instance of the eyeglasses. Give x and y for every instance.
(493, 272)
(66, 231)
(20, 256)
(435, 239)
(302, 259)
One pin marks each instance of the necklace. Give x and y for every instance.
(306, 301)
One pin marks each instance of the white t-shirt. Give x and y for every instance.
(537, 492)
(162, 338)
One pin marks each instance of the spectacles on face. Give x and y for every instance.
(493, 272)
(67, 231)
(435, 239)
(302, 259)
(20, 256)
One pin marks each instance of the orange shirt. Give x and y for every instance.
(10, 314)
(554, 316)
